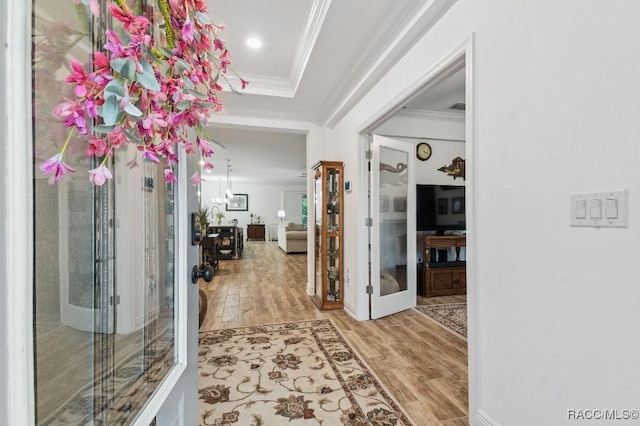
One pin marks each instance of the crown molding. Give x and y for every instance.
(260, 85)
(287, 87)
(416, 23)
(307, 41)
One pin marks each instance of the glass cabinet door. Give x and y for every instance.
(328, 235)
(318, 243)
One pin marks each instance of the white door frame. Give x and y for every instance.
(16, 195)
(461, 54)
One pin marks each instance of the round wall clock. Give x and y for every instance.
(423, 151)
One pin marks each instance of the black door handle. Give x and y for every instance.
(206, 272)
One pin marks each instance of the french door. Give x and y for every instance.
(112, 341)
(393, 231)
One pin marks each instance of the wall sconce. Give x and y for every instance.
(281, 215)
(455, 169)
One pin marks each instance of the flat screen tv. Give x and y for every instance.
(440, 208)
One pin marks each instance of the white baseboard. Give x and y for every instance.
(484, 419)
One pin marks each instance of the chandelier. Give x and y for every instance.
(228, 194)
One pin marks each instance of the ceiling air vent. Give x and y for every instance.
(460, 106)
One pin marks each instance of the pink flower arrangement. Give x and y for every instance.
(142, 93)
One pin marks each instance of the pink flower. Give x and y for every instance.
(152, 120)
(201, 5)
(117, 137)
(100, 61)
(187, 30)
(224, 60)
(99, 175)
(148, 153)
(218, 106)
(195, 179)
(72, 113)
(114, 45)
(189, 147)
(218, 44)
(80, 78)
(133, 24)
(57, 167)
(204, 146)
(91, 107)
(208, 165)
(167, 114)
(97, 147)
(169, 177)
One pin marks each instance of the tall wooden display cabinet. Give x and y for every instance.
(329, 214)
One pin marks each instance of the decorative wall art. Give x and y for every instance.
(455, 169)
(400, 204)
(384, 203)
(239, 203)
(457, 205)
(443, 205)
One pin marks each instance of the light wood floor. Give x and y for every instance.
(422, 365)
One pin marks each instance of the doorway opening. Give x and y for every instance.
(447, 131)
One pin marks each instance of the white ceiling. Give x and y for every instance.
(317, 57)
(258, 157)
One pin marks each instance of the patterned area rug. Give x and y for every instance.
(289, 374)
(452, 316)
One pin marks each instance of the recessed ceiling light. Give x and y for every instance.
(254, 43)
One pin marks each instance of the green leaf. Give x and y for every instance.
(188, 83)
(203, 18)
(131, 109)
(110, 111)
(182, 105)
(196, 94)
(148, 78)
(167, 52)
(125, 38)
(151, 54)
(128, 70)
(133, 137)
(117, 64)
(181, 66)
(114, 88)
(103, 130)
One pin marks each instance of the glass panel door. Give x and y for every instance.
(104, 311)
(393, 236)
(317, 232)
(67, 283)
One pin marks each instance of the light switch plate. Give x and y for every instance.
(600, 209)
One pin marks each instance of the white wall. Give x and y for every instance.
(424, 125)
(264, 200)
(557, 307)
(445, 135)
(291, 204)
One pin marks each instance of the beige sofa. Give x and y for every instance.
(292, 237)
